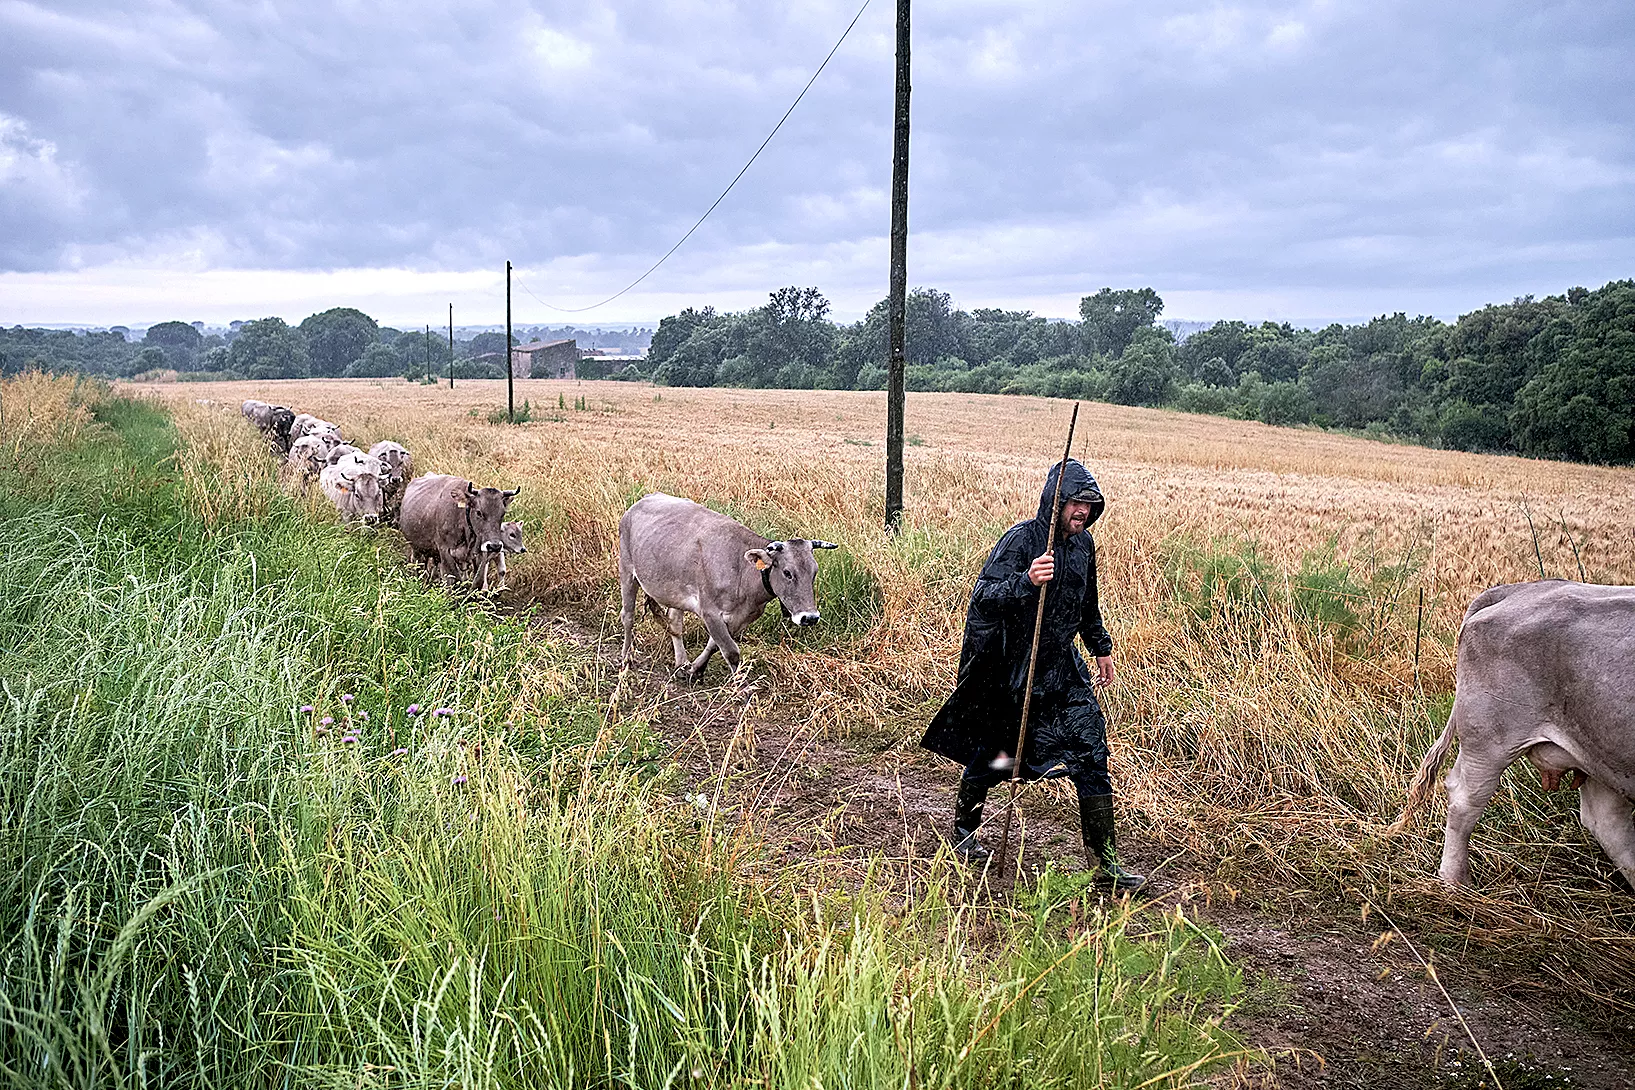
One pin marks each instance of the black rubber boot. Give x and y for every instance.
(967, 819)
(1096, 818)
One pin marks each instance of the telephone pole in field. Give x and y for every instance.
(451, 346)
(898, 306)
(510, 395)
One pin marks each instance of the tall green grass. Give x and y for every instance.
(203, 884)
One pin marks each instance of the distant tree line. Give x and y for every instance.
(338, 343)
(1551, 377)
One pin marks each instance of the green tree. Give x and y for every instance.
(696, 360)
(379, 360)
(1145, 372)
(1463, 426)
(1581, 402)
(673, 332)
(1111, 318)
(796, 340)
(480, 345)
(268, 348)
(1350, 392)
(336, 337)
(179, 342)
(1223, 341)
(1276, 360)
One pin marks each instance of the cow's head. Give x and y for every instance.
(789, 569)
(511, 537)
(279, 420)
(485, 514)
(395, 457)
(364, 487)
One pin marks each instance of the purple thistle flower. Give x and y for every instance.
(364, 716)
(400, 752)
(459, 780)
(327, 720)
(349, 740)
(347, 698)
(306, 709)
(444, 712)
(414, 709)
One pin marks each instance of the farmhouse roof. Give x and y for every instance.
(535, 346)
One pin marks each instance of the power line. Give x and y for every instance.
(724, 192)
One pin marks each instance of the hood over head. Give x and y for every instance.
(1077, 484)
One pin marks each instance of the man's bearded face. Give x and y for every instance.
(1075, 517)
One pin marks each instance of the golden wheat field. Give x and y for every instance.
(1244, 730)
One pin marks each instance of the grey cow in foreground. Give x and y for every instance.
(450, 522)
(689, 559)
(1545, 671)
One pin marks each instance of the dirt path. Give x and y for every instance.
(1336, 1010)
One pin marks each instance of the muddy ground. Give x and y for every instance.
(1332, 1006)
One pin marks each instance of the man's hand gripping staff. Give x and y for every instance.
(1040, 573)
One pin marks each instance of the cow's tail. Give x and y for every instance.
(1424, 784)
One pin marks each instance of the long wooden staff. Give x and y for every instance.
(1033, 652)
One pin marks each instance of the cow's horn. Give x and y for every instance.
(824, 545)
(511, 493)
(774, 546)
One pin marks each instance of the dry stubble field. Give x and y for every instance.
(1260, 738)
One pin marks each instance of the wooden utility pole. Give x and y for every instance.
(510, 394)
(898, 297)
(427, 343)
(451, 346)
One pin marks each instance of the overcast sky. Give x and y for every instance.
(1300, 161)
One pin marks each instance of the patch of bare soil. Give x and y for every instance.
(1333, 1004)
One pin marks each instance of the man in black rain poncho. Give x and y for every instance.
(1067, 735)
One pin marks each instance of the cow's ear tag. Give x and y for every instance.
(761, 565)
(461, 504)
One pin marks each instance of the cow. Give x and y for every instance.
(343, 450)
(306, 424)
(307, 458)
(450, 522)
(353, 486)
(272, 421)
(277, 430)
(1544, 671)
(510, 542)
(688, 559)
(397, 466)
(396, 456)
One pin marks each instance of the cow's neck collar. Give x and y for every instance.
(766, 581)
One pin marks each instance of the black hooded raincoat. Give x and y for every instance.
(1065, 726)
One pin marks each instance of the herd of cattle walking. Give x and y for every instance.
(677, 555)
(449, 523)
(1545, 671)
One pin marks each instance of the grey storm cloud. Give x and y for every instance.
(1453, 152)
